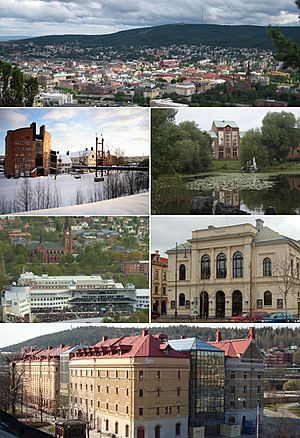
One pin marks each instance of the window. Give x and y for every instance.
(267, 298)
(259, 304)
(238, 261)
(117, 390)
(157, 432)
(205, 267)
(158, 392)
(178, 391)
(258, 390)
(181, 300)
(126, 431)
(245, 389)
(221, 266)
(177, 429)
(231, 403)
(157, 375)
(106, 425)
(267, 267)
(107, 406)
(178, 409)
(141, 392)
(117, 408)
(232, 389)
(157, 410)
(116, 428)
(127, 410)
(232, 375)
(141, 411)
(279, 303)
(182, 272)
(178, 375)
(141, 375)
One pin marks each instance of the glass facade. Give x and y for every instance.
(207, 382)
(206, 385)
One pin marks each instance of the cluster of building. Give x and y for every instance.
(75, 294)
(28, 153)
(147, 72)
(224, 271)
(148, 385)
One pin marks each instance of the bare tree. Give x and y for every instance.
(119, 153)
(284, 278)
(24, 196)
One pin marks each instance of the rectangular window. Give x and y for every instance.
(279, 303)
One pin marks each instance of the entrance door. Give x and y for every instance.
(220, 304)
(204, 305)
(237, 303)
(163, 307)
(140, 432)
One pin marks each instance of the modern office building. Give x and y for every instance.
(206, 386)
(27, 152)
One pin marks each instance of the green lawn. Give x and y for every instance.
(295, 411)
(230, 165)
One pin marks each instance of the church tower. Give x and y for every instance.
(68, 242)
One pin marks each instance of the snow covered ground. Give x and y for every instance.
(47, 193)
(126, 205)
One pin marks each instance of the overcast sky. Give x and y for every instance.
(246, 118)
(74, 129)
(44, 17)
(14, 333)
(167, 230)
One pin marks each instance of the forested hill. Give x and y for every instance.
(207, 34)
(89, 335)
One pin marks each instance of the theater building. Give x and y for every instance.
(27, 152)
(223, 271)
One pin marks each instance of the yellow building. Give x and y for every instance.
(133, 387)
(40, 375)
(159, 284)
(224, 271)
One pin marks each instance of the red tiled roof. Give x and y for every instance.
(144, 345)
(235, 347)
(45, 353)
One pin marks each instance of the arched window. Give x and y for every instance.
(157, 431)
(205, 267)
(267, 298)
(267, 267)
(221, 266)
(182, 272)
(141, 392)
(106, 425)
(178, 429)
(126, 431)
(181, 300)
(238, 261)
(116, 428)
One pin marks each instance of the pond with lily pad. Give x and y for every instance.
(249, 192)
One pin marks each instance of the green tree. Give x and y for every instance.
(287, 50)
(296, 357)
(31, 89)
(251, 146)
(292, 385)
(279, 134)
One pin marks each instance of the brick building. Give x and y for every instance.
(27, 153)
(135, 267)
(159, 269)
(226, 139)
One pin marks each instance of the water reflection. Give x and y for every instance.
(282, 194)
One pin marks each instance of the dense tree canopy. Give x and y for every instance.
(182, 148)
(271, 144)
(15, 88)
(287, 50)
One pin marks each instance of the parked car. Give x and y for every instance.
(247, 316)
(280, 317)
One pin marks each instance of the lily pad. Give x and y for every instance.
(249, 181)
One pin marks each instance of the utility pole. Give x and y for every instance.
(101, 178)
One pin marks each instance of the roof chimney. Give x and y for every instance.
(182, 337)
(259, 224)
(62, 345)
(251, 333)
(50, 347)
(145, 332)
(218, 336)
(104, 338)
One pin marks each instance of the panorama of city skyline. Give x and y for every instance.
(74, 129)
(45, 17)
